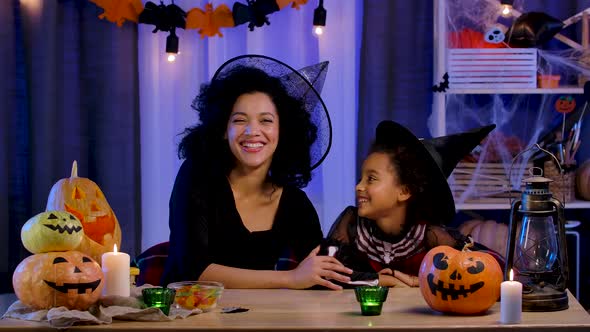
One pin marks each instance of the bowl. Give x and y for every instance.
(196, 294)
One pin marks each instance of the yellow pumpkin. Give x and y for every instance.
(459, 282)
(84, 199)
(52, 231)
(54, 279)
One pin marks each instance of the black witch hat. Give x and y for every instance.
(304, 84)
(440, 156)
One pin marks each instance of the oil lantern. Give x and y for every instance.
(537, 248)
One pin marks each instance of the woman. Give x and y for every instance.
(403, 201)
(237, 214)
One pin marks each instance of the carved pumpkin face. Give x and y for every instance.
(565, 104)
(52, 231)
(84, 199)
(460, 282)
(55, 279)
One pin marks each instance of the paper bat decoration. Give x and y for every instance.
(255, 12)
(443, 86)
(209, 21)
(117, 11)
(296, 3)
(164, 17)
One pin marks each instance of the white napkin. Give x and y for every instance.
(103, 312)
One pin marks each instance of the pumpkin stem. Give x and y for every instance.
(468, 244)
(74, 169)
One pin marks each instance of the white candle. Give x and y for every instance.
(115, 266)
(511, 301)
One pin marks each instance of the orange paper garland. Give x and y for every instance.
(207, 21)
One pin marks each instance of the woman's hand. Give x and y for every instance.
(317, 270)
(394, 278)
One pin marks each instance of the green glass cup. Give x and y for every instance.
(159, 298)
(371, 299)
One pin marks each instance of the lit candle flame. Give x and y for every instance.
(511, 275)
(115, 249)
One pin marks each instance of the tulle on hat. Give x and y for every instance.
(304, 84)
(440, 156)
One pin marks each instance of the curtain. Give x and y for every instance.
(69, 92)
(396, 68)
(167, 90)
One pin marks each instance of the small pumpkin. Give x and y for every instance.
(459, 281)
(565, 104)
(84, 199)
(583, 181)
(52, 231)
(54, 279)
(490, 233)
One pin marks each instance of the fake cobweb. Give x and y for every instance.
(522, 119)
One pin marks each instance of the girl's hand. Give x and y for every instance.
(394, 278)
(317, 270)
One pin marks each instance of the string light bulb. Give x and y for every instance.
(172, 46)
(506, 6)
(319, 19)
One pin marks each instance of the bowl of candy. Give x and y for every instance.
(196, 294)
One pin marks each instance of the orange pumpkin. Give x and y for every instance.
(84, 199)
(54, 279)
(459, 282)
(565, 104)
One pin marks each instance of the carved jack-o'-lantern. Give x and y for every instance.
(52, 231)
(84, 199)
(565, 104)
(70, 279)
(459, 282)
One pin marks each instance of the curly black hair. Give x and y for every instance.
(411, 173)
(291, 162)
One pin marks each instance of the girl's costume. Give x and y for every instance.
(364, 248)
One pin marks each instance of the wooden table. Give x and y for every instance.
(289, 310)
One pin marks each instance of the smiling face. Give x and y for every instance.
(378, 193)
(461, 282)
(70, 278)
(52, 231)
(253, 130)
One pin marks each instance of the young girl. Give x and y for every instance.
(403, 201)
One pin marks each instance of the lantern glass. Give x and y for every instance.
(536, 249)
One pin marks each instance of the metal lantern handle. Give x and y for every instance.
(532, 147)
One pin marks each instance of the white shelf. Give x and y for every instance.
(506, 206)
(439, 100)
(562, 90)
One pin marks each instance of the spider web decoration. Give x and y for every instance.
(522, 119)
